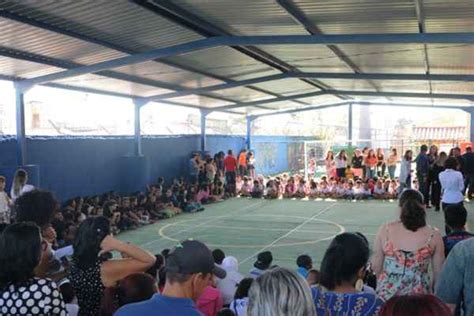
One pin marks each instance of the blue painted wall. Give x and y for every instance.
(79, 166)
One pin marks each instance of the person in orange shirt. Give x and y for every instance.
(230, 165)
(370, 164)
(243, 163)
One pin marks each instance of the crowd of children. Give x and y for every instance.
(286, 186)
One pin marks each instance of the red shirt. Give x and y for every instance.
(230, 163)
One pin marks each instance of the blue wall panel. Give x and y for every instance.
(79, 166)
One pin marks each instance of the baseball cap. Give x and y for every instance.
(264, 260)
(192, 256)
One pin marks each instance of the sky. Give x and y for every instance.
(113, 115)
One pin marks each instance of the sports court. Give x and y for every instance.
(244, 227)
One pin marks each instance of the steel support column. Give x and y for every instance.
(137, 144)
(471, 125)
(248, 139)
(349, 123)
(20, 125)
(204, 114)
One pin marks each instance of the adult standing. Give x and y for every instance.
(251, 165)
(456, 281)
(193, 167)
(435, 170)
(90, 274)
(468, 171)
(220, 165)
(422, 169)
(330, 164)
(230, 164)
(406, 250)
(432, 158)
(243, 163)
(357, 164)
(405, 171)
(392, 161)
(341, 164)
(20, 185)
(370, 164)
(380, 163)
(452, 185)
(365, 152)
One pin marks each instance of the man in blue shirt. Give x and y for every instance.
(455, 217)
(422, 168)
(189, 269)
(455, 285)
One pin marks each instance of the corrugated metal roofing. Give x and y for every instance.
(123, 27)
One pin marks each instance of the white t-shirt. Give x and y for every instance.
(379, 190)
(24, 189)
(452, 183)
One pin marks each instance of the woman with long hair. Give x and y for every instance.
(90, 273)
(330, 164)
(21, 293)
(343, 269)
(341, 164)
(433, 178)
(20, 185)
(405, 171)
(370, 164)
(380, 163)
(392, 161)
(357, 164)
(407, 250)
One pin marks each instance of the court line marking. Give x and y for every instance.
(298, 243)
(262, 229)
(213, 218)
(291, 232)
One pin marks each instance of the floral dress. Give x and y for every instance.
(405, 272)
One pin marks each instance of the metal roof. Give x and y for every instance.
(39, 38)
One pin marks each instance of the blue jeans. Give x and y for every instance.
(369, 172)
(391, 171)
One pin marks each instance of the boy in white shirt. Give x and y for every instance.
(5, 202)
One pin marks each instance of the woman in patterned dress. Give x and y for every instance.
(407, 250)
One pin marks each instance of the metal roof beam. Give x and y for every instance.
(318, 75)
(414, 105)
(298, 15)
(256, 40)
(304, 109)
(52, 28)
(403, 94)
(191, 21)
(272, 100)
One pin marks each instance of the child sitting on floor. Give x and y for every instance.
(324, 191)
(379, 191)
(359, 190)
(350, 192)
(301, 191)
(340, 191)
(289, 188)
(257, 190)
(246, 188)
(367, 191)
(272, 190)
(313, 189)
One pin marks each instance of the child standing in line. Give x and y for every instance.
(5, 203)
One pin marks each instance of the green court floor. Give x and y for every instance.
(245, 227)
